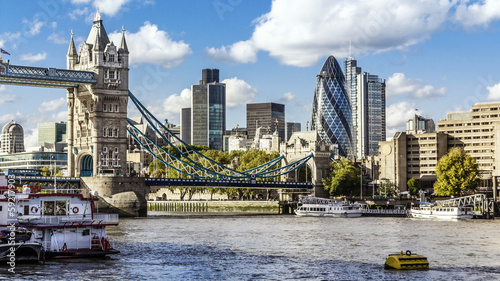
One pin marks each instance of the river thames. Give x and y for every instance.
(283, 248)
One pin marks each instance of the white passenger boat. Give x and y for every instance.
(321, 207)
(429, 211)
(65, 224)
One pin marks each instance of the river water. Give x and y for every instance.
(166, 247)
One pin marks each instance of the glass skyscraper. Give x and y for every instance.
(331, 111)
(367, 94)
(208, 111)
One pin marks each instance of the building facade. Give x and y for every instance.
(51, 132)
(208, 111)
(269, 115)
(186, 125)
(416, 155)
(291, 127)
(420, 125)
(12, 138)
(367, 96)
(331, 108)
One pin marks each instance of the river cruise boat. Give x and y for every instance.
(66, 225)
(429, 211)
(322, 207)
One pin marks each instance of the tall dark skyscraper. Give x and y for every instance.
(331, 109)
(266, 115)
(208, 111)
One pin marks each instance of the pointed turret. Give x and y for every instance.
(72, 55)
(123, 45)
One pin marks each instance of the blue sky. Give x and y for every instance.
(436, 56)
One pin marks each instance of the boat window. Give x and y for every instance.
(48, 208)
(61, 208)
(86, 232)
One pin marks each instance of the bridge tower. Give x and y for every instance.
(97, 114)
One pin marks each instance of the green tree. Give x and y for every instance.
(387, 188)
(456, 171)
(412, 186)
(344, 179)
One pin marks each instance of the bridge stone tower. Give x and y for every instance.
(299, 146)
(97, 114)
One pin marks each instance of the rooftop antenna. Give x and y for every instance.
(350, 49)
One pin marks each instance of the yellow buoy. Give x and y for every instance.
(406, 261)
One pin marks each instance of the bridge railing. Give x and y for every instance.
(19, 71)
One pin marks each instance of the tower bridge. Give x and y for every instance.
(97, 91)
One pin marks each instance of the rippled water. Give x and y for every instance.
(284, 248)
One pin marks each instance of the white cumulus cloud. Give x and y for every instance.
(399, 84)
(300, 33)
(287, 97)
(52, 105)
(173, 104)
(34, 57)
(479, 13)
(239, 52)
(151, 45)
(493, 92)
(397, 114)
(238, 92)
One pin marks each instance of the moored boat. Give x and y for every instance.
(322, 207)
(431, 211)
(64, 224)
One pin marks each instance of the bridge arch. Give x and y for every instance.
(86, 166)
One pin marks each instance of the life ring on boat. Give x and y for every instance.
(34, 209)
(75, 210)
(408, 253)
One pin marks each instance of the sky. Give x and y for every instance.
(435, 55)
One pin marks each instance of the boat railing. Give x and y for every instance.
(384, 211)
(71, 219)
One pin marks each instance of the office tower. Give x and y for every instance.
(269, 115)
(186, 125)
(291, 127)
(371, 126)
(421, 125)
(12, 139)
(208, 111)
(367, 96)
(51, 132)
(331, 108)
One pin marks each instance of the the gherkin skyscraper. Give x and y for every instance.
(331, 110)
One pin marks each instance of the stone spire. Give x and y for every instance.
(72, 50)
(123, 45)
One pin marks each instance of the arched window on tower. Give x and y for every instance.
(110, 107)
(116, 107)
(104, 107)
(105, 132)
(116, 133)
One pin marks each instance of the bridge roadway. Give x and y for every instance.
(181, 182)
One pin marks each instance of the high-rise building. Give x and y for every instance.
(371, 126)
(12, 139)
(269, 115)
(367, 96)
(186, 125)
(51, 132)
(208, 111)
(351, 78)
(331, 108)
(421, 125)
(291, 127)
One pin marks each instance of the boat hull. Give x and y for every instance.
(24, 252)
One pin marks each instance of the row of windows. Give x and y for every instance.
(110, 107)
(110, 132)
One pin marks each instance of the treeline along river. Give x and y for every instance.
(273, 247)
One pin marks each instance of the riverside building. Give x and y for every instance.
(416, 155)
